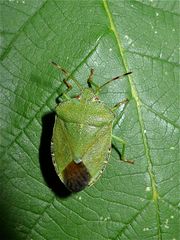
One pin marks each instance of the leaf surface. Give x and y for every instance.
(138, 201)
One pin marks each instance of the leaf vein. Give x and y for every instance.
(8, 48)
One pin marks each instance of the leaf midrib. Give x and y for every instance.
(138, 106)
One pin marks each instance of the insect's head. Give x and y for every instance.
(88, 95)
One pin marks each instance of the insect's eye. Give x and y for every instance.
(95, 99)
(78, 97)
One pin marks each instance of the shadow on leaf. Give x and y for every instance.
(7, 232)
(47, 168)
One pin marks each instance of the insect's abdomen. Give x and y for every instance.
(76, 176)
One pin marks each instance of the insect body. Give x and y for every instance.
(82, 135)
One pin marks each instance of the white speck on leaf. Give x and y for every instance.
(148, 189)
(128, 38)
(104, 219)
(173, 30)
(155, 32)
(157, 14)
(166, 223)
(171, 216)
(95, 63)
(145, 229)
(110, 49)
(172, 148)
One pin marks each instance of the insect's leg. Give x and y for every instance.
(69, 87)
(122, 102)
(63, 94)
(64, 71)
(68, 75)
(90, 80)
(123, 149)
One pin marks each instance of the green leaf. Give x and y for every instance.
(138, 201)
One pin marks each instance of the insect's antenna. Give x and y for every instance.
(114, 79)
(67, 74)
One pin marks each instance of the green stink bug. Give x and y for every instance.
(82, 134)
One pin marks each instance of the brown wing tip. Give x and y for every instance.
(76, 176)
